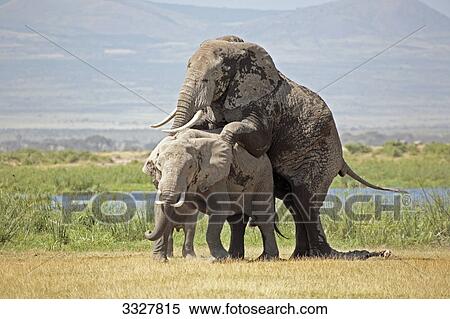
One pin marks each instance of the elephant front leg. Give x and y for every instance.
(250, 133)
(160, 247)
(215, 225)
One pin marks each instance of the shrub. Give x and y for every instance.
(437, 149)
(358, 148)
(395, 148)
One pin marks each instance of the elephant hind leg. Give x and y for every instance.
(238, 223)
(283, 189)
(170, 244)
(188, 245)
(310, 236)
(269, 241)
(213, 231)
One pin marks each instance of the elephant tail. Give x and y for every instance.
(277, 230)
(346, 170)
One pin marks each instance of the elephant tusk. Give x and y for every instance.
(189, 124)
(167, 119)
(157, 201)
(180, 201)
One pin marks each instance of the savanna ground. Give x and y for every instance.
(43, 257)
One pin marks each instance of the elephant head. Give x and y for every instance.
(225, 70)
(181, 164)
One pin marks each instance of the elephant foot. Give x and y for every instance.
(215, 260)
(236, 254)
(160, 258)
(299, 254)
(267, 257)
(325, 252)
(189, 254)
(220, 255)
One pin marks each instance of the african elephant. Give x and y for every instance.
(235, 85)
(196, 170)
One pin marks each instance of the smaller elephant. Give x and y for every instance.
(197, 171)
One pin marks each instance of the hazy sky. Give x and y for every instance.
(251, 4)
(441, 5)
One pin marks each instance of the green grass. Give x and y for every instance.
(36, 157)
(59, 179)
(34, 224)
(27, 220)
(399, 165)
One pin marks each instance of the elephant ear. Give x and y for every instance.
(256, 76)
(151, 160)
(215, 158)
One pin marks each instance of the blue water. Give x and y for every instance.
(417, 195)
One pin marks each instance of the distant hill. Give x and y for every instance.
(146, 45)
(85, 140)
(145, 140)
(350, 19)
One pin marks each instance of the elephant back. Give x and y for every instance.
(246, 170)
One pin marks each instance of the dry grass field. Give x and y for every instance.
(406, 274)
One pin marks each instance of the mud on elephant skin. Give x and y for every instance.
(197, 170)
(235, 85)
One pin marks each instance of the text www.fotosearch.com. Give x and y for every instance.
(239, 309)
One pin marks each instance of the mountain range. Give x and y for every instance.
(145, 46)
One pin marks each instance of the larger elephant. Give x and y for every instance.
(234, 84)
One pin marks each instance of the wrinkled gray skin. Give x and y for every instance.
(239, 89)
(200, 163)
(163, 247)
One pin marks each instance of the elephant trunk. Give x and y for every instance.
(184, 107)
(162, 222)
(167, 199)
(173, 183)
(195, 94)
(172, 199)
